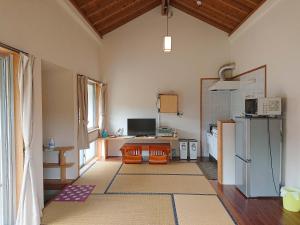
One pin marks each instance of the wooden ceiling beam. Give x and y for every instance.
(92, 5)
(250, 3)
(105, 15)
(215, 11)
(237, 5)
(187, 9)
(112, 9)
(124, 17)
(82, 3)
(221, 6)
(244, 20)
(210, 16)
(111, 5)
(75, 4)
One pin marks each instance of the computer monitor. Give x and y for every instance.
(141, 127)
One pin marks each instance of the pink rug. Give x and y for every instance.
(77, 193)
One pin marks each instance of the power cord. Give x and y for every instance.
(271, 157)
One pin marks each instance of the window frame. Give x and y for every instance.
(95, 125)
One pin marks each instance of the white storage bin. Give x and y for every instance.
(183, 148)
(193, 149)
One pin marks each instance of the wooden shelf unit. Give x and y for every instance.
(57, 165)
(54, 184)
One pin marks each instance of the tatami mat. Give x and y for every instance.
(112, 210)
(201, 210)
(171, 168)
(100, 174)
(161, 184)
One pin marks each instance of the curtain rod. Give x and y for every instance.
(12, 48)
(94, 80)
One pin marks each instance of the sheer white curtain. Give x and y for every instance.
(29, 212)
(102, 106)
(7, 146)
(82, 99)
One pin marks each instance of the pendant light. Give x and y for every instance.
(167, 38)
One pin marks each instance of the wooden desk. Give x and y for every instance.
(103, 142)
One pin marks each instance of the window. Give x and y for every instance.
(92, 123)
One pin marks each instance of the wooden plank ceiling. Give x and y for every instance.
(106, 15)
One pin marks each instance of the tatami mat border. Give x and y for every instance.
(174, 210)
(162, 174)
(150, 193)
(227, 210)
(112, 180)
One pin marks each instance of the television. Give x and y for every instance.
(141, 127)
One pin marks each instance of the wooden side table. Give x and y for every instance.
(51, 184)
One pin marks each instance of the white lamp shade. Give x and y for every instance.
(167, 44)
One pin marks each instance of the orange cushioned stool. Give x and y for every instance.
(132, 154)
(159, 154)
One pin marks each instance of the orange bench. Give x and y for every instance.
(159, 154)
(132, 154)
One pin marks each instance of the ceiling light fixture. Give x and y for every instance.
(199, 2)
(167, 38)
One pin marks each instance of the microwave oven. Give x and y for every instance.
(263, 107)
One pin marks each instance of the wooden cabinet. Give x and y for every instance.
(226, 152)
(168, 103)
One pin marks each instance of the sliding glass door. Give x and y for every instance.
(7, 145)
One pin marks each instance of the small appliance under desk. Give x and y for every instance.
(103, 142)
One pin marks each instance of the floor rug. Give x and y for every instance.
(77, 193)
(161, 184)
(112, 210)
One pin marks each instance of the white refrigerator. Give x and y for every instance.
(258, 156)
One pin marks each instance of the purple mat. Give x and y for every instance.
(77, 193)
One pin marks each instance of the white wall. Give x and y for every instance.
(254, 89)
(46, 30)
(59, 117)
(136, 69)
(271, 36)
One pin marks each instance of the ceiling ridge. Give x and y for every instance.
(106, 15)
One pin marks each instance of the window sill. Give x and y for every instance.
(91, 130)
